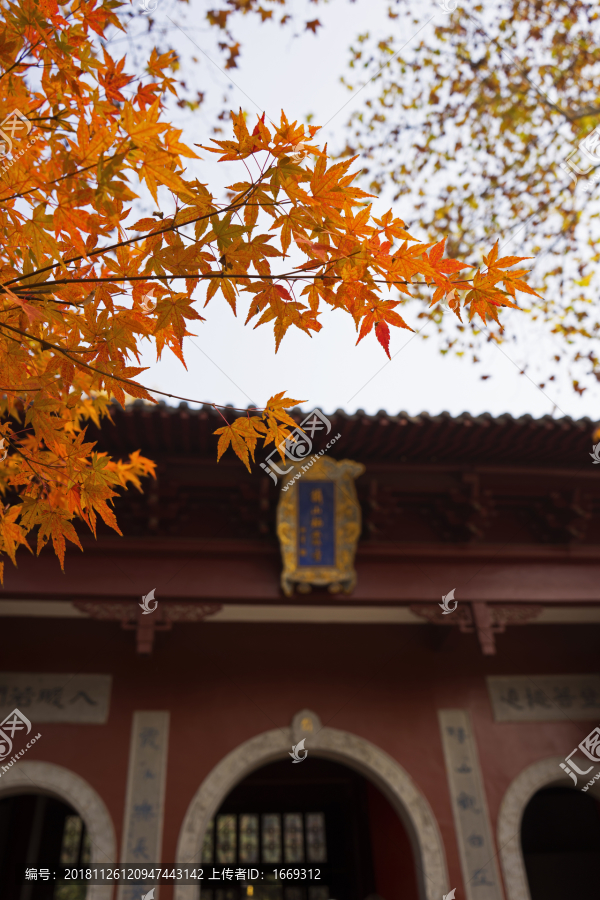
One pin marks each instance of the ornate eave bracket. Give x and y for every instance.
(132, 618)
(484, 619)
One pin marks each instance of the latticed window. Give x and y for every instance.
(290, 839)
(74, 851)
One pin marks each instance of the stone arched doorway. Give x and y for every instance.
(542, 774)
(329, 743)
(56, 781)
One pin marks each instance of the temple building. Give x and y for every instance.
(366, 670)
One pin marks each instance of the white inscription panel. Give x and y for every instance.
(471, 818)
(56, 697)
(145, 799)
(544, 698)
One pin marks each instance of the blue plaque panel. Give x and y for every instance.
(316, 523)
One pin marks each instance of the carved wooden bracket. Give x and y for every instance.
(132, 618)
(485, 619)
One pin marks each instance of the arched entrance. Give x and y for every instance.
(527, 798)
(320, 820)
(40, 832)
(350, 751)
(59, 795)
(560, 838)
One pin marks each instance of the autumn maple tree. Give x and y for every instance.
(487, 104)
(84, 284)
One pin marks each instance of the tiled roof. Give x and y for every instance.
(163, 430)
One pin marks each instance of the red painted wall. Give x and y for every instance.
(225, 683)
(393, 859)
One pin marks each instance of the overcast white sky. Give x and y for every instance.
(230, 363)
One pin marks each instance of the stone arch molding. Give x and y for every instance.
(329, 743)
(46, 778)
(544, 773)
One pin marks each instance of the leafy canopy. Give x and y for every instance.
(83, 285)
(487, 104)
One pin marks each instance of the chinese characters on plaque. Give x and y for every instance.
(145, 797)
(471, 817)
(318, 525)
(57, 697)
(544, 698)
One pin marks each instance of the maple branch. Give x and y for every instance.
(18, 63)
(61, 178)
(201, 277)
(231, 208)
(221, 414)
(584, 111)
(31, 459)
(29, 50)
(48, 345)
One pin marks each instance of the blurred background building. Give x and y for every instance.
(436, 742)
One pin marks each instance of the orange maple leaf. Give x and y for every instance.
(378, 315)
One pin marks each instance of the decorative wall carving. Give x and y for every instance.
(131, 616)
(127, 610)
(486, 619)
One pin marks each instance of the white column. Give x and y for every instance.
(478, 857)
(145, 797)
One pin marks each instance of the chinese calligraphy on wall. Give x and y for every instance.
(145, 798)
(471, 817)
(56, 697)
(544, 698)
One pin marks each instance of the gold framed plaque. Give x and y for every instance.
(318, 526)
